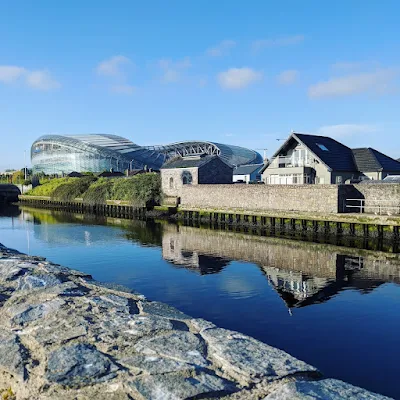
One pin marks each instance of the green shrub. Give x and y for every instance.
(99, 191)
(140, 190)
(73, 188)
(47, 188)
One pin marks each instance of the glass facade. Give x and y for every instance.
(58, 154)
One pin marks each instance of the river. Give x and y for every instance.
(337, 308)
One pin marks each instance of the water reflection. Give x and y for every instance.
(301, 273)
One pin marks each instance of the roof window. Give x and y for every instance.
(322, 147)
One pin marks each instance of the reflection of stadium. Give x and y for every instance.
(56, 154)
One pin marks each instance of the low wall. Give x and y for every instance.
(308, 198)
(378, 197)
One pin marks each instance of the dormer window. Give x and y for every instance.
(322, 147)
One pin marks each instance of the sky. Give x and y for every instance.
(238, 72)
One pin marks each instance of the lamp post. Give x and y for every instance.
(25, 164)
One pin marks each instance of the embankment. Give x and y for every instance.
(65, 336)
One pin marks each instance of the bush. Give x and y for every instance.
(99, 191)
(47, 188)
(73, 188)
(140, 190)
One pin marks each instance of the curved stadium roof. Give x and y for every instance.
(99, 152)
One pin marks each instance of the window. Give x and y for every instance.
(171, 183)
(187, 178)
(339, 180)
(322, 147)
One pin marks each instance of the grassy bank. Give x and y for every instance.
(139, 190)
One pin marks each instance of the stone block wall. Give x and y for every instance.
(386, 195)
(171, 180)
(308, 198)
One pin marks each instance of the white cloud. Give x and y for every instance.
(113, 66)
(123, 89)
(238, 78)
(172, 70)
(10, 73)
(288, 77)
(221, 48)
(341, 130)
(379, 82)
(40, 80)
(282, 41)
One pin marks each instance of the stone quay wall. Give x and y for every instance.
(65, 336)
(381, 198)
(307, 198)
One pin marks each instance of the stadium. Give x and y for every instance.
(62, 154)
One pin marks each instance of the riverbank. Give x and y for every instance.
(65, 336)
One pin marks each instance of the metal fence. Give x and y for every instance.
(377, 207)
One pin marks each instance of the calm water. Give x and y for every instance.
(337, 308)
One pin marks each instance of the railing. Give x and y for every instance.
(288, 162)
(377, 207)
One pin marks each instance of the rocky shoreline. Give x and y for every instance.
(65, 336)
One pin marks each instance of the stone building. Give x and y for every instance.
(194, 170)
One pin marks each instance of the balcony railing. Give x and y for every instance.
(288, 162)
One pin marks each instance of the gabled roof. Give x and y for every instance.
(370, 160)
(247, 169)
(332, 153)
(190, 162)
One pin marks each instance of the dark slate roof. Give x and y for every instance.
(247, 169)
(366, 161)
(188, 162)
(108, 174)
(387, 163)
(338, 156)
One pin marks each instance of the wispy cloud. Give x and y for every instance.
(282, 41)
(342, 130)
(378, 82)
(172, 70)
(35, 79)
(287, 77)
(221, 48)
(113, 66)
(238, 78)
(123, 89)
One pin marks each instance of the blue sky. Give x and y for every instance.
(239, 72)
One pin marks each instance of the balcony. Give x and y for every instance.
(290, 162)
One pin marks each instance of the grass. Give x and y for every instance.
(49, 187)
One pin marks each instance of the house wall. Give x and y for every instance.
(176, 175)
(244, 178)
(309, 198)
(215, 171)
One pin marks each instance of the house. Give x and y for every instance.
(247, 173)
(374, 164)
(194, 170)
(312, 159)
(111, 174)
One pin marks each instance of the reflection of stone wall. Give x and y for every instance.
(314, 260)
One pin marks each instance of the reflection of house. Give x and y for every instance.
(320, 159)
(194, 170)
(247, 173)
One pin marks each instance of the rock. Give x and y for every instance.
(13, 356)
(178, 345)
(37, 281)
(163, 310)
(25, 313)
(10, 269)
(242, 356)
(140, 325)
(176, 387)
(111, 302)
(155, 365)
(327, 389)
(79, 365)
(199, 325)
(59, 330)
